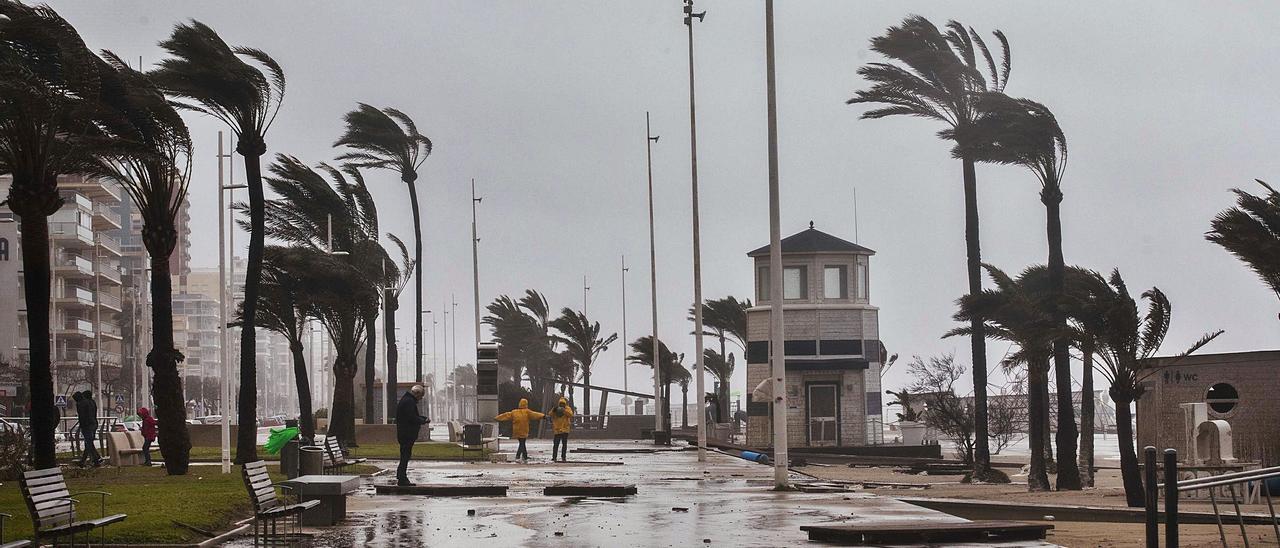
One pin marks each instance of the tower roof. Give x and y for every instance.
(814, 241)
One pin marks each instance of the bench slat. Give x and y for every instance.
(45, 472)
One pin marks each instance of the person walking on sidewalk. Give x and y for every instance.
(408, 422)
(520, 418)
(87, 412)
(148, 434)
(561, 424)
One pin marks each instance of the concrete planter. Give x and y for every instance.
(912, 432)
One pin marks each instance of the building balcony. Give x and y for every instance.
(110, 301)
(110, 331)
(73, 266)
(96, 189)
(104, 218)
(71, 295)
(75, 328)
(109, 244)
(71, 235)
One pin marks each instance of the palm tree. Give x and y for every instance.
(1251, 232)
(1015, 311)
(391, 303)
(1025, 133)
(937, 76)
(582, 340)
(284, 307)
(229, 83)
(1085, 308)
(724, 318)
(148, 152)
(388, 139)
(721, 367)
(1127, 339)
(49, 86)
(642, 353)
(682, 377)
(525, 348)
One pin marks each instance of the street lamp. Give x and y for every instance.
(222, 306)
(777, 358)
(626, 400)
(650, 139)
(689, 15)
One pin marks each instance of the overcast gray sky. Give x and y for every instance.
(1165, 105)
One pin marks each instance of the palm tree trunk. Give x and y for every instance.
(978, 342)
(306, 418)
(1068, 472)
(586, 390)
(370, 360)
(417, 280)
(35, 278)
(1038, 478)
(389, 331)
(684, 405)
(247, 434)
(342, 418)
(1129, 471)
(1086, 417)
(171, 411)
(723, 395)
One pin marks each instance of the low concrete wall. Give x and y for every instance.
(209, 435)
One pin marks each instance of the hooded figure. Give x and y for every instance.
(148, 434)
(561, 423)
(408, 422)
(87, 412)
(520, 418)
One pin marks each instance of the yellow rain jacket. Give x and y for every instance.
(562, 423)
(520, 418)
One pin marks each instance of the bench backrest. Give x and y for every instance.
(333, 450)
(261, 491)
(135, 439)
(45, 492)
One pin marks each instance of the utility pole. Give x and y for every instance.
(650, 138)
(585, 289)
(439, 381)
(225, 384)
(453, 366)
(777, 358)
(97, 319)
(475, 260)
(689, 16)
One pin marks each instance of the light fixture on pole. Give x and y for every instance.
(650, 139)
(689, 15)
(225, 384)
(777, 359)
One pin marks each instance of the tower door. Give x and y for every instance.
(823, 410)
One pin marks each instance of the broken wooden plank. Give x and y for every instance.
(443, 490)
(589, 490)
(915, 532)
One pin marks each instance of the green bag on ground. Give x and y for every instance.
(277, 439)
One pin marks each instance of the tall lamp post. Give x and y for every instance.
(777, 359)
(225, 384)
(689, 16)
(650, 139)
(475, 258)
(626, 400)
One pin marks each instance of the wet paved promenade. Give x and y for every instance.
(726, 501)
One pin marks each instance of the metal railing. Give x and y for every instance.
(1173, 487)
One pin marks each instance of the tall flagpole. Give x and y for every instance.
(776, 356)
(626, 401)
(689, 15)
(650, 138)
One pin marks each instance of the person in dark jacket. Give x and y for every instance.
(148, 434)
(87, 412)
(408, 422)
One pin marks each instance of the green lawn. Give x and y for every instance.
(205, 498)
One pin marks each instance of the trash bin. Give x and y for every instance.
(289, 459)
(471, 434)
(310, 460)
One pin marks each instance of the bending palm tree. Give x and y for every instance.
(721, 367)
(938, 77)
(1251, 232)
(1026, 133)
(391, 303)
(48, 92)
(388, 139)
(582, 339)
(214, 79)
(1015, 311)
(724, 318)
(642, 353)
(148, 151)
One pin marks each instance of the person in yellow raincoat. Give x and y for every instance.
(561, 423)
(520, 418)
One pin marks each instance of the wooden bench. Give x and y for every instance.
(269, 510)
(926, 532)
(125, 448)
(53, 510)
(335, 458)
(14, 544)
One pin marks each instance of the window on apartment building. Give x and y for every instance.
(861, 281)
(835, 282)
(795, 282)
(762, 284)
